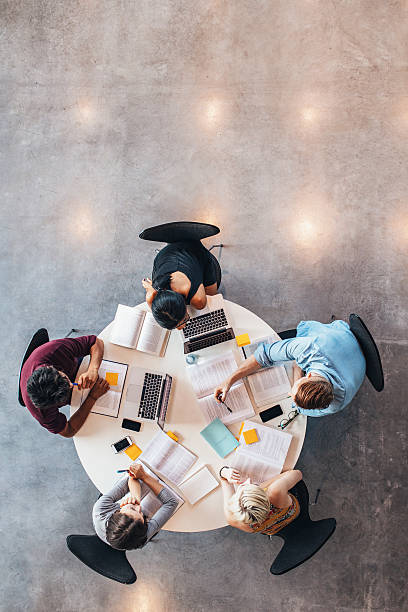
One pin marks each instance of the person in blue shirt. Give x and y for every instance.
(329, 369)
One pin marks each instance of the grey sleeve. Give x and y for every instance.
(106, 505)
(170, 503)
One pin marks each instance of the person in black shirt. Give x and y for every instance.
(183, 273)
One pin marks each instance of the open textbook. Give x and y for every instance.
(168, 457)
(109, 403)
(205, 376)
(269, 384)
(136, 328)
(263, 459)
(151, 503)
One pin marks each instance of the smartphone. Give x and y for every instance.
(122, 444)
(129, 424)
(270, 413)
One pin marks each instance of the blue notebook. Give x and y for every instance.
(219, 437)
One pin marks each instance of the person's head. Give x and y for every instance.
(169, 309)
(250, 504)
(47, 386)
(127, 528)
(312, 392)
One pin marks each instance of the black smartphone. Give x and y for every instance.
(129, 424)
(270, 413)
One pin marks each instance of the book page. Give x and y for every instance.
(254, 468)
(206, 375)
(269, 384)
(198, 485)
(127, 325)
(237, 399)
(168, 457)
(152, 337)
(272, 445)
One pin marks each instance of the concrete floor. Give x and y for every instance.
(284, 122)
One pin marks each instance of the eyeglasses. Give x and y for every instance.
(183, 321)
(285, 422)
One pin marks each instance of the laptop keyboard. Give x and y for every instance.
(200, 343)
(205, 323)
(150, 396)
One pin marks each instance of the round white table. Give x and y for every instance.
(184, 418)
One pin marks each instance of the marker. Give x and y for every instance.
(121, 471)
(74, 384)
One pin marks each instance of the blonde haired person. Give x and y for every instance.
(256, 510)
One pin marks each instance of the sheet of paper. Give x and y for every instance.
(268, 384)
(108, 404)
(198, 485)
(152, 337)
(206, 375)
(127, 325)
(168, 457)
(257, 470)
(237, 399)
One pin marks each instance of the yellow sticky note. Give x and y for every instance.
(243, 340)
(112, 378)
(133, 452)
(241, 428)
(172, 435)
(250, 436)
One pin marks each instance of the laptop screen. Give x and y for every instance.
(164, 401)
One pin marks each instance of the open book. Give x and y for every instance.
(263, 459)
(205, 376)
(268, 384)
(136, 328)
(168, 457)
(109, 403)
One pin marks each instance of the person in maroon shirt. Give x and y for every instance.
(47, 377)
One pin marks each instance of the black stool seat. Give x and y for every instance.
(179, 231)
(40, 337)
(374, 371)
(303, 537)
(102, 558)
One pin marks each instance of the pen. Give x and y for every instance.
(120, 471)
(74, 384)
(227, 407)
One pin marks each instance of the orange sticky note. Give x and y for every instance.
(243, 340)
(112, 378)
(172, 435)
(250, 436)
(133, 452)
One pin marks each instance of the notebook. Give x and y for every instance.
(198, 485)
(205, 376)
(219, 437)
(109, 403)
(168, 457)
(136, 328)
(262, 459)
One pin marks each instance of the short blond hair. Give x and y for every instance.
(249, 505)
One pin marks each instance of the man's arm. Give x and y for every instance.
(249, 366)
(89, 378)
(75, 423)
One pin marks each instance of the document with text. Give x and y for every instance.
(168, 457)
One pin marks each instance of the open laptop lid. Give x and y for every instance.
(164, 401)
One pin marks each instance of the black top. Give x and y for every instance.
(191, 258)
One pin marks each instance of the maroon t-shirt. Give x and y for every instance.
(63, 355)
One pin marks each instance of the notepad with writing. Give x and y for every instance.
(109, 403)
(205, 376)
(136, 328)
(219, 437)
(198, 485)
(261, 459)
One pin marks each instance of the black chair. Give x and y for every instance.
(303, 537)
(40, 337)
(288, 333)
(179, 231)
(374, 371)
(102, 558)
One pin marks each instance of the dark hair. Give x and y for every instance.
(168, 308)
(47, 387)
(126, 533)
(314, 394)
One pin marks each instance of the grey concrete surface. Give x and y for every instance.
(284, 122)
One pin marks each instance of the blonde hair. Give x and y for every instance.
(249, 505)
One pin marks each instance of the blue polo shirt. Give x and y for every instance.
(331, 350)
